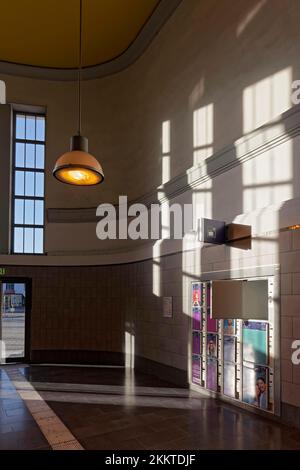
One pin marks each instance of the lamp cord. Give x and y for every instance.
(80, 67)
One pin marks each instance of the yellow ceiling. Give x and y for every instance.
(45, 33)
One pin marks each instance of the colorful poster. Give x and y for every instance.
(229, 327)
(212, 350)
(229, 348)
(255, 385)
(229, 380)
(196, 369)
(255, 346)
(212, 325)
(196, 342)
(212, 374)
(196, 294)
(197, 323)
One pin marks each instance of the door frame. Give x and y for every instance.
(28, 304)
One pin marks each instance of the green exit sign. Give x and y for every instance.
(2, 271)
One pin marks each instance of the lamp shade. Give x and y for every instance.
(78, 167)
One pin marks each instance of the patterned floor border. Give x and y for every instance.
(57, 434)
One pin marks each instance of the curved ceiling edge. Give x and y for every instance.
(158, 18)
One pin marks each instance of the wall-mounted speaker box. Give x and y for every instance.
(240, 299)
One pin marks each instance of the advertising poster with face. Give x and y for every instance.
(229, 327)
(196, 294)
(196, 342)
(196, 369)
(255, 346)
(211, 345)
(197, 320)
(255, 386)
(229, 348)
(229, 379)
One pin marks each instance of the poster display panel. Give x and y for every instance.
(255, 344)
(229, 379)
(196, 345)
(255, 385)
(229, 327)
(196, 369)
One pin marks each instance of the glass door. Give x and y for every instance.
(14, 320)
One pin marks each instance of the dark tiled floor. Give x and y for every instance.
(18, 430)
(108, 409)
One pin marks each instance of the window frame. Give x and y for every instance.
(14, 197)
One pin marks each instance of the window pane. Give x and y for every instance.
(18, 240)
(29, 211)
(39, 213)
(29, 183)
(28, 240)
(30, 155)
(19, 183)
(30, 127)
(20, 149)
(19, 211)
(20, 126)
(39, 184)
(38, 240)
(40, 128)
(40, 156)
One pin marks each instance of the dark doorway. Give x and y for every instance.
(15, 308)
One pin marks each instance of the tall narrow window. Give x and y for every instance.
(28, 183)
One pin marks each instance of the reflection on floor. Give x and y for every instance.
(109, 408)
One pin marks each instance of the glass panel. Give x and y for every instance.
(40, 128)
(20, 151)
(28, 241)
(229, 380)
(13, 319)
(30, 127)
(39, 213)
(212, 374)
(18, 240)
(229, 348)
(196, 369)
(19, 211)
(255, 347)
(29, 183)
(30, 155)
(20, 126)
(39, 184)
(40, 156)
(197, 324)
(29, 211)
(38, 240)
(19, 183)
(196, 343)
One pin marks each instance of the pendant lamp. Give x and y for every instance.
(78, 167)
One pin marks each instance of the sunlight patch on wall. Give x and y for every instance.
(267, 99)
(2, 92)
(267, 179)
(249, 17)
(203, 133)
(166, 149)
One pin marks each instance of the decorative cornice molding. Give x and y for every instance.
(246, 148)
(161, 14)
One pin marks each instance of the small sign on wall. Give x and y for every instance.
(168, 307)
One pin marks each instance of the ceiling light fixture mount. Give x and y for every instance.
(78, 167)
